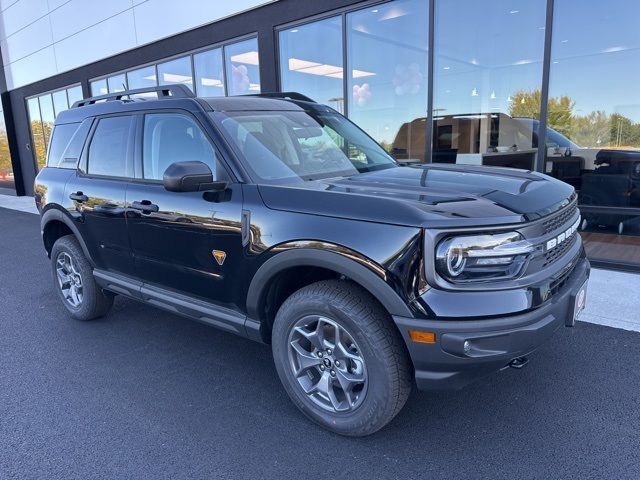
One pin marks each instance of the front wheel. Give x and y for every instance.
(340, 358)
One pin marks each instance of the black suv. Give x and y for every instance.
(276, 218)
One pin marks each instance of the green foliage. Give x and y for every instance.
(596, 129)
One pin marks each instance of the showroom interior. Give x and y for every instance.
(511, 83)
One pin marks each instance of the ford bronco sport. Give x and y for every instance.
(277, 219)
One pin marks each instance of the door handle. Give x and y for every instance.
(79, 197)
(145, 206)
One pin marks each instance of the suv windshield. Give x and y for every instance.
(295, 146)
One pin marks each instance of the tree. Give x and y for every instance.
(527, 103)
(592, 130)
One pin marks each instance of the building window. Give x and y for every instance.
(487, 81)
(593, 139)
(117, 83)
(239, 60)
(312, 66)
(242, 66)
(387, 55)
(74, 94)
(209, 72)
(99, 87)
(142, 78)
(43, 111)
(6, 171)
(176, 71)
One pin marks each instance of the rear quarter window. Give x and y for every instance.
(66, 144)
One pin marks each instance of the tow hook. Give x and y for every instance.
(519, 362)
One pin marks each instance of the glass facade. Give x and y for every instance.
(203, 71)
(209, 73)
(387, 55)
(313, 67)
(594, 114)
(242, 65)
(487, 74)
(43, 111)
(176, 71)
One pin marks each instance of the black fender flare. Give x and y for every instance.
(303, 257)
(53, 214)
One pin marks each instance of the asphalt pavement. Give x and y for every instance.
(147, 394)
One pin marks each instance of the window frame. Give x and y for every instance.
(83, 164)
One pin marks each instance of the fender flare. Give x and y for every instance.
(54, 214)
(303, 257)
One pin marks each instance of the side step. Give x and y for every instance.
(196, 309)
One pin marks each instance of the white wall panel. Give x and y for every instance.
(77, 15)
(99, 41)
(22, 13)
(24, 42)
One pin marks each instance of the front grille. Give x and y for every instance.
(558, 283)
(557, 252)
(560, 218)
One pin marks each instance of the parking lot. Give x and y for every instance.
(147, 394)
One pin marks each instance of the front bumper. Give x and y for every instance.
(494, 342)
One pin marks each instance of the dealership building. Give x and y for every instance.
(546, 85)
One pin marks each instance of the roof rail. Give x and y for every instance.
(289, 95)
(165, 91)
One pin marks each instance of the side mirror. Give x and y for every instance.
(190, 177)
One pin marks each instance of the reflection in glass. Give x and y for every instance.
(176, 71)
(99, 87)
(314, 67)
(38, 145)
(59, 101)
(209, 73)
(594, 112)
(48, 117)
(142, 78)
(117, 83)
(6, 171)
(387, 81)
(74, 94)
(487, 73)
(242, 65)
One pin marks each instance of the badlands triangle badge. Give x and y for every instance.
(220, 256)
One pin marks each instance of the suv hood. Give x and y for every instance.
(430, 195)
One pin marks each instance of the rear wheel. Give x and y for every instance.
(74, 282)
(340, 359)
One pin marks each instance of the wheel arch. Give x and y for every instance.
(328, 263)
(55, 224)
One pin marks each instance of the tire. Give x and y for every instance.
(68, 262)
(367, 332)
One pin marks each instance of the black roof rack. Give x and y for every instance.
(289, 95)
(165, 91)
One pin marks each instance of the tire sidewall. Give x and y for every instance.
(375, 403)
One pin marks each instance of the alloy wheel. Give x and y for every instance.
(327, 363)
(69, 279)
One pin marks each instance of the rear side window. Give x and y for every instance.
(110, 146)
(66, 144)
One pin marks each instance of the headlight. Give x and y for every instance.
(482, 257)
